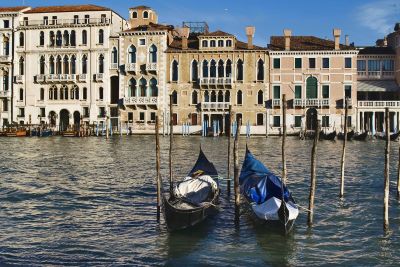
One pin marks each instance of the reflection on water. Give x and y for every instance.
(92, 201)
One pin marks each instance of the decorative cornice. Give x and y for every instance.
(298, 53)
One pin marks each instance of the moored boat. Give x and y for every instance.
(327, 136)
(193, 199)
(267, 197)
(393, 137)
(361, 136)
(350, 135)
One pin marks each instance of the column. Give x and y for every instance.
(373, 123)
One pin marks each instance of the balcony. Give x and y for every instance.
(312, 102)
(82, 78)
(51, 78)
(19, 78)
(216, 81)
(151, 66)
(98, 77)
(114, 66)
(65, 22)
(153, 100)
(379, 104)
(215, 105)
(5, 94)
(276, 102)
(375, 75)
(131, 67)
(40, 78)
(68, 77)
(5, 58)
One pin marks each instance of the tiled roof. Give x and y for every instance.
(12, 8)
(74, 8)
(140, 7)
(304, 43)
(216, 34)
(377, 50)
(151, 27)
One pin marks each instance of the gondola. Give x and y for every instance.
(361, 137)
(263, 192)
(393, 137)
(194, 199)
(350, 135)
(330, 136)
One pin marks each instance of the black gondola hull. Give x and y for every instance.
(361, 137)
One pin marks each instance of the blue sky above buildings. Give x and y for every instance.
(363, 20)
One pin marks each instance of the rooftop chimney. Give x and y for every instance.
(287, 34)
(185, 35)
(250, 30)
(385, 42)
(336, 34)
(347, 42)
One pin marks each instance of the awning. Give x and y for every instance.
(377, 86)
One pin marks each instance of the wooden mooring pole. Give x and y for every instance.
(341, 194)
(107, 128)
(236, 164)
(171, 141)
(284, 170)
(158, 178)
(313, 175)
(228, 184)
(398, 176)
(386, 176)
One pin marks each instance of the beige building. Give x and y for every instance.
(208, 71)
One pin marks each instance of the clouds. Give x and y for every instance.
(379, 15)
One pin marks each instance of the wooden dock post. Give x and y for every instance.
(107, 129)
(158, 156)
(171, 141)
(398, 176)
(313, 175)
(236, 164)
(341, 194)
(386, 176)
(284, 170)
(228, 184)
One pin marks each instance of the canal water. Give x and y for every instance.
(91, 201)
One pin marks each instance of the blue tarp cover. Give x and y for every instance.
(203, 164)
(258, 184)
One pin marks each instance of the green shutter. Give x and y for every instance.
(297, 63)
(277, 63)
(297, 121)
(277, 92)
(312, 88)
(297, 92)
(325, 91)
(277, 121)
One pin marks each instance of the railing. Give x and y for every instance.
(19, 78)
(378, 104)
(216, 81)
(40, 78)
(130, 66)
(59, 22)
(151, 100)
(82, 78)
(53, 77)
(276, 102)
(5, 93)
(375, 75)
(114, 66)
(98, 77)
(215, 105)
(68, 77)
(5, 58)
(151, 66)
(311, 102)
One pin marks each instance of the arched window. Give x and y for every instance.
(213, 69)
(134, 15)
(21, 94)
(42, 65)
(153, 54)
(205, 69)
(66, 38)
(5, 81)
(239, 99)
(75, 92)
(51, 65)
(228, 68)
(206, 96)
(195, 98)
(174, 71)
(260, 97)
(260, 70)
(220, 68)
(58, 65)
(312, 87)
(73, 64)
(101, 36)
(52, 39)
(41, 38)
(132, 88)
(64, 92)
(145, 14)
(204, 43)
(227, 97)
(51, 91)
(114, 55)
(6, 47)
(84, 64)
(174, 98)
(132, 54)
(220, 96)
(21, 66)
(21, 39)
(239, 76)
(228, 43)
(212, 43)
(194, 71)
(73, 38)
(55, 92)
(84, 37)
(220, 43)
(72, 93)
(213, 96)
(153, 87)
(101, 93)
(58, 38)
(101, 64)
(66, 65)
(84, 96)
(142, 87)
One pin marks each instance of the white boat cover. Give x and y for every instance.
(269, 209)
(195, 190)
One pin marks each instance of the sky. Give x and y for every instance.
(364, 21)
